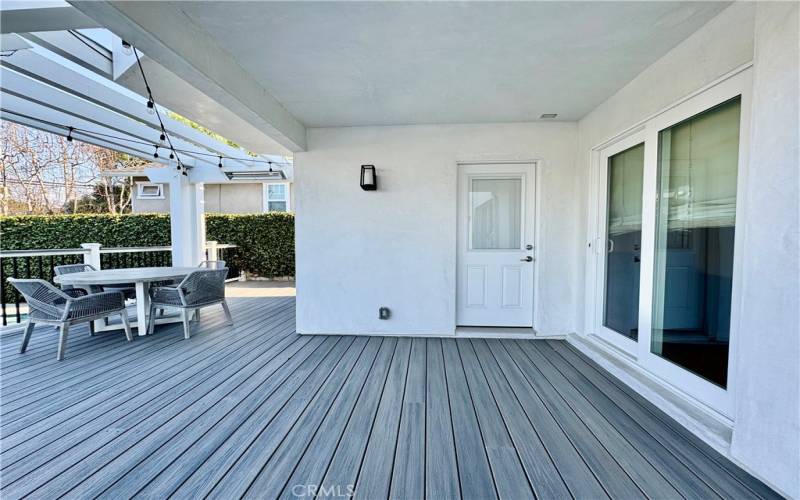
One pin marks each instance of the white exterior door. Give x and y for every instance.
(495, 245)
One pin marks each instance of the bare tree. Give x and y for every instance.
(117, 190)
(44, 173)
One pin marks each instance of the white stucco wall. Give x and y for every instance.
(235, 198)
(396, 247)
(766, 427)
(232, 198)
(766, 435)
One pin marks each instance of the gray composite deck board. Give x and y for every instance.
(408, 473)
(256, 410)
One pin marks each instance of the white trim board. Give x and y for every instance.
(706, 424)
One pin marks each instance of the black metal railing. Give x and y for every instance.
(228, 254)
(29, 264)
(120, 258)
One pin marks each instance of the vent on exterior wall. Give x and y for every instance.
(547, 116)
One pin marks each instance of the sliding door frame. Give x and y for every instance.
(678, 379)
(618, 340)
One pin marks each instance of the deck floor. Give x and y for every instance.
(256, 410)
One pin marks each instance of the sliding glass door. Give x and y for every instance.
(620, 250)
(698, 161)
(664, 249)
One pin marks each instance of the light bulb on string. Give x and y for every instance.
(270, 166)
(155, 154)
(127, 48)
(151, 107)
(220, 162)
(171, 155)
(69, 135)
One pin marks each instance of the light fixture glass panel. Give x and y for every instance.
(695, 228)
(624, 241)
(495, 214)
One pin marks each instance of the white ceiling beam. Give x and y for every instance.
(39, 64)
(167, 36)
(74, 47)
(46, 18)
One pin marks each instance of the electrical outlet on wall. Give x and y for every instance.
(384, 313)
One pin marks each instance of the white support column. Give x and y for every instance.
(93, 257)
(212, 252)
(187, 216)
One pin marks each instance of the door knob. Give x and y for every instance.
(527, 259)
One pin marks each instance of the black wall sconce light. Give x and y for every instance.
(369, 181)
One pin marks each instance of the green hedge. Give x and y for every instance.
(265, 241)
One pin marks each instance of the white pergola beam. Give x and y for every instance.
(72, 110)
(167, 36)
(48, 68)
(47, 17)
(108, 144)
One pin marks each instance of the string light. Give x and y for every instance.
(102, 136)
(155, 155)
(220, 162)
(151, 107)
(270, 166)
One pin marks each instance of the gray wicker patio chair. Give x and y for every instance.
(49, 305)
(206, 264)
(127, 288)
(201, 288)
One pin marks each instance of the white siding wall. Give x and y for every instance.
(396, 247)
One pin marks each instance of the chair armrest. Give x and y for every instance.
(76, 292)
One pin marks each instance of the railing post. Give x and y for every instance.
(212, 252)
(93, 257)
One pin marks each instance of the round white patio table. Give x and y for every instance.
(141, 277)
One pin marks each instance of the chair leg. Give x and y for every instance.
(91, 329)
(151, 325)
(197, 315)
(186, 325)
(127, 323)
(227, 312)
(62, 341)
(26, 337)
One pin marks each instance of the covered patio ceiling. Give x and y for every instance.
(284, 66)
